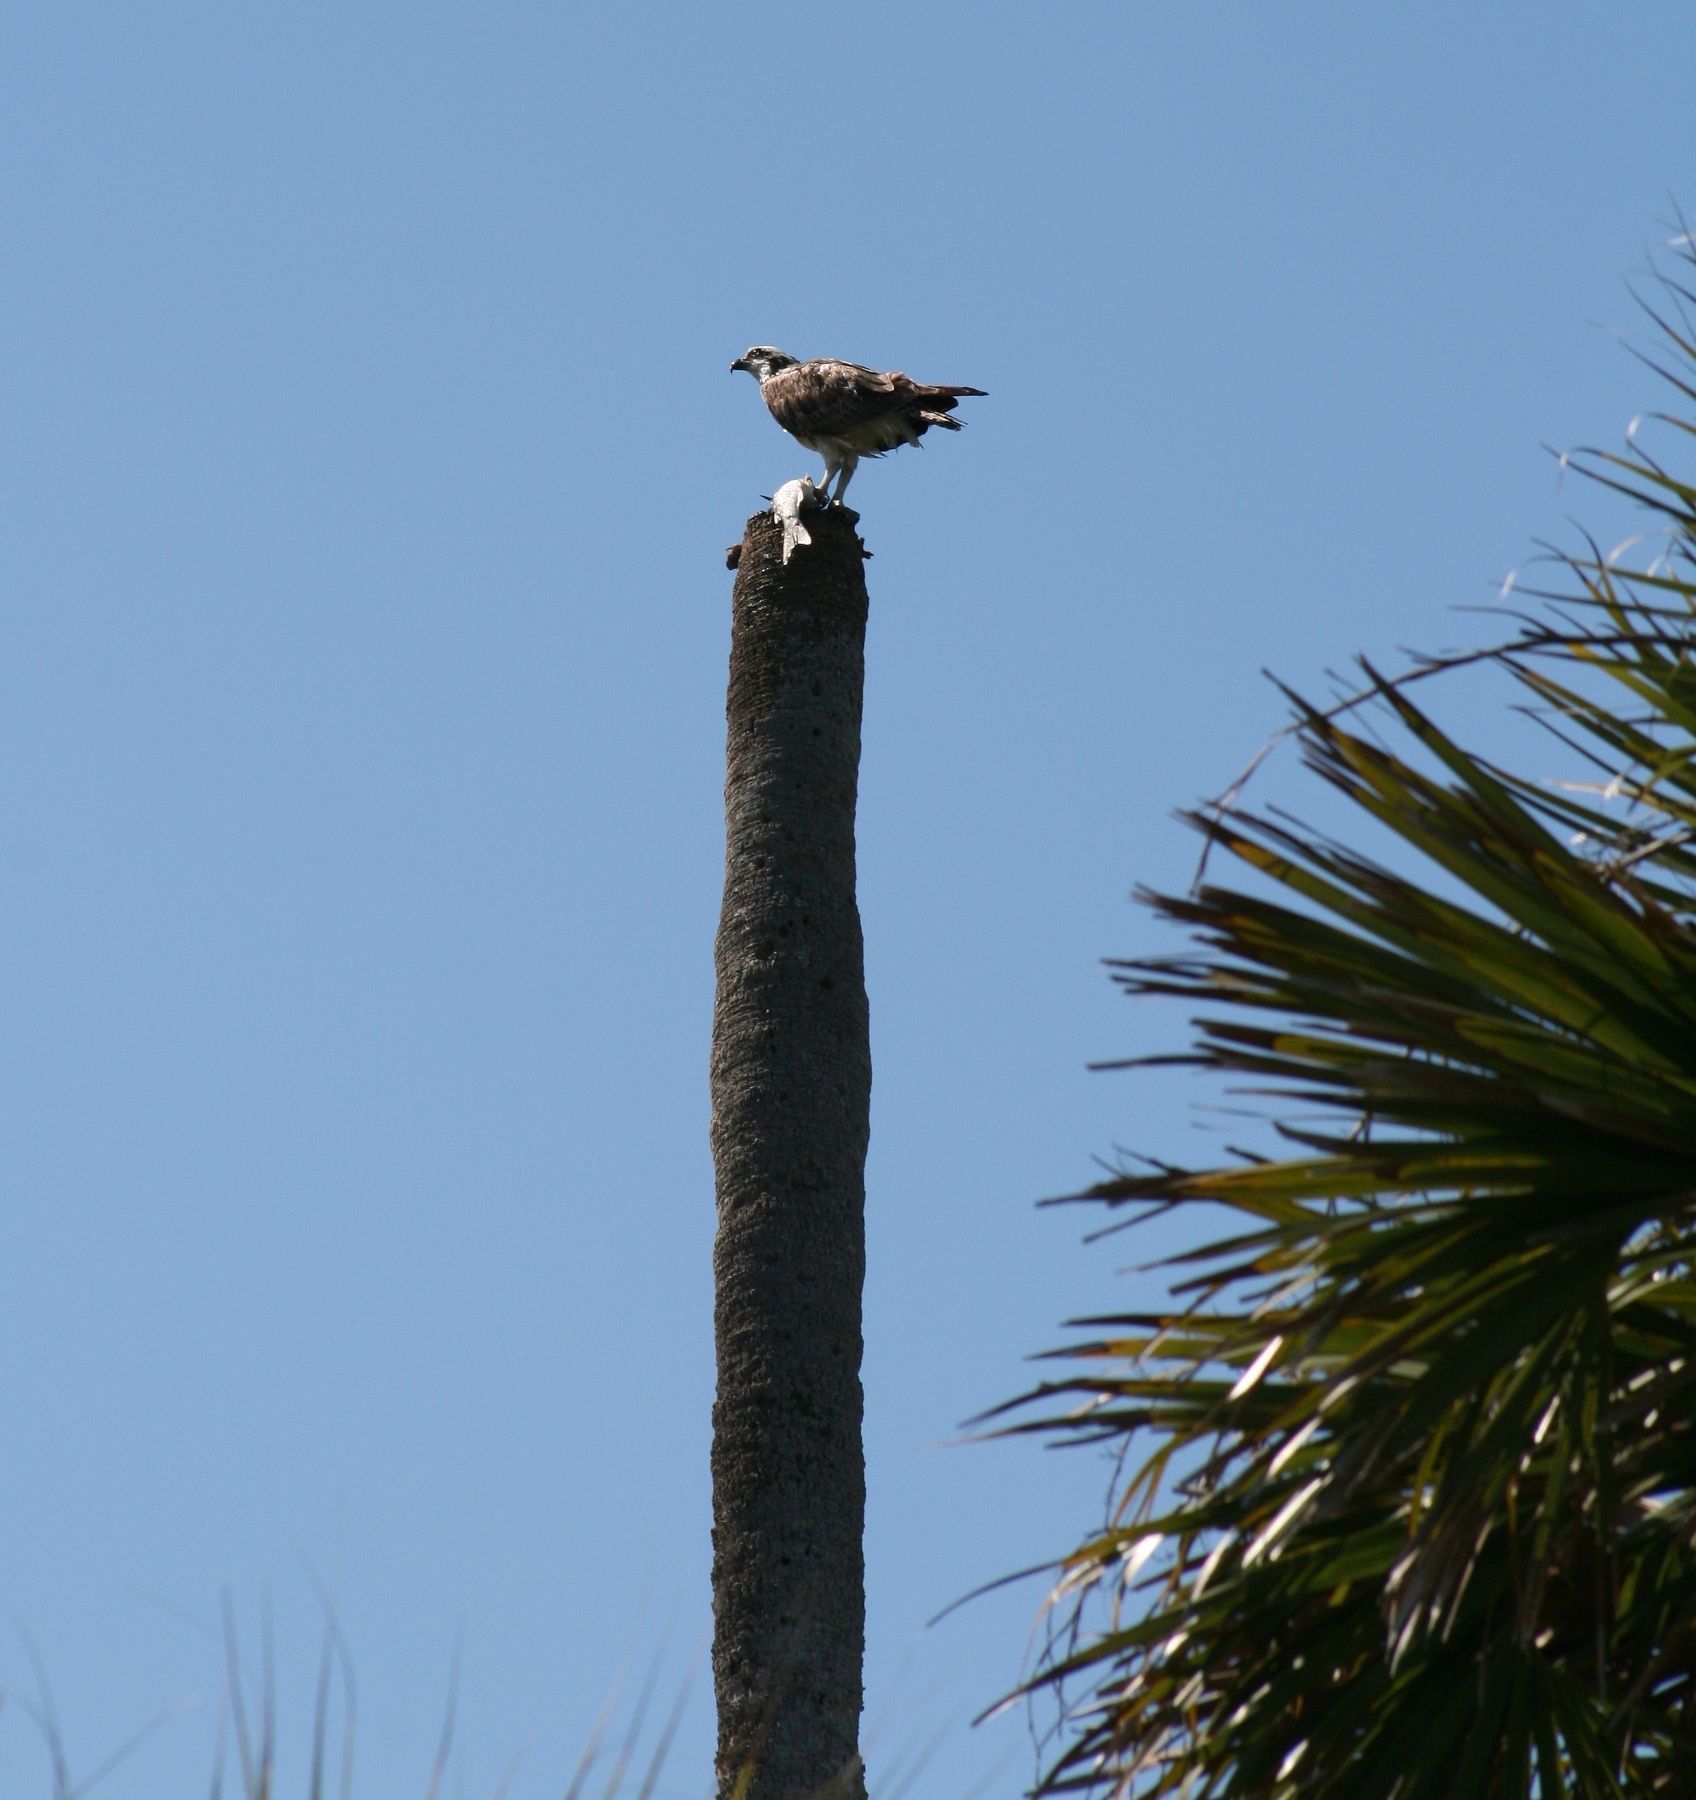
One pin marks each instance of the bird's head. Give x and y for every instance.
(762, 362)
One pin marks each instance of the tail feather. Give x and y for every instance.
(936, 403)
(944, 397)
(936, 395)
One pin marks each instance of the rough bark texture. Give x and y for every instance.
(791, 1096)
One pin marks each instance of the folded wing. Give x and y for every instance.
(830, 399)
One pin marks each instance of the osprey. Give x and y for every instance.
(844, 411)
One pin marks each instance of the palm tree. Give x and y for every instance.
(1410, 1497)
(791, 1094)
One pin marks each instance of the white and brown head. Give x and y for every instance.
(764, 361)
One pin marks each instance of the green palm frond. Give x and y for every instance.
(1417, 1483)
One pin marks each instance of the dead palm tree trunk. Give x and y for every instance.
(791, 1094)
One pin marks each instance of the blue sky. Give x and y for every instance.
(370, 457)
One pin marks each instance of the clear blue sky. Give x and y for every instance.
(370, 454)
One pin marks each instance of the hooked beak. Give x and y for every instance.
(740, 363)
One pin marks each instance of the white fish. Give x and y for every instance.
(787, 506)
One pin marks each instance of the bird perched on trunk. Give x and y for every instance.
(843, 411)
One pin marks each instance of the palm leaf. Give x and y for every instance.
(1410, 1477)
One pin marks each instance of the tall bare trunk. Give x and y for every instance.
(791, 1097)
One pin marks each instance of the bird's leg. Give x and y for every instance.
(846, 475)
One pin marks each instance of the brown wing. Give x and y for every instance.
(824, 398)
